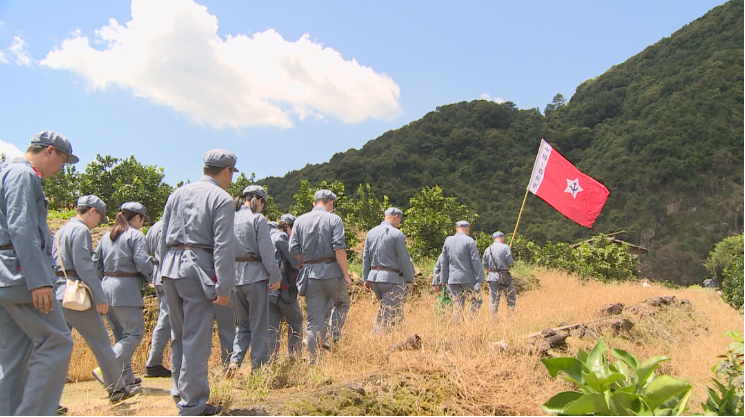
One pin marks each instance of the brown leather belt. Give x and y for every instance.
(123, 274)
(189, 247)
(69, 272)
(7, 247)
(247, 259)
(385, 268)
(319, 261)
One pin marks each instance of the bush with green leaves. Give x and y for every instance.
(431, 218)
(625, 387)
(726, 398)
(725, 263)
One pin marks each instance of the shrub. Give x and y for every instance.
(725, 263)
(726, 398)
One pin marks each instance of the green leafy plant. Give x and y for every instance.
(725, 263)
(625, 387)
(727, 398)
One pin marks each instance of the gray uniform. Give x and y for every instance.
(162, 330)
(461, 271)
(283, 304)
(497, 260)
(77, 249)
(385, 247)
(317, 235)
(128, 255)
(200, 215)
(437, 271)
(35, 347)
(253, 277)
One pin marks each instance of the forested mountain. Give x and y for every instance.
(663, 131)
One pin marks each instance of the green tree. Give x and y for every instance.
(63, 189)
(239, 184)
(558, 101)
(431, 218)
(365, 210)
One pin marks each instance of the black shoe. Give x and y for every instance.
(124, 393)
(212, 410)
(61, 410)
(157, 371)
(136, 381)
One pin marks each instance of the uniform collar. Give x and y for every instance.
(459, 233)
(23, 160)
(319, 208)
(386, 223)
(210, 180)
(75, 219)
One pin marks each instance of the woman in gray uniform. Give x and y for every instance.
(123, 261)
(72, 250)
(256, 270)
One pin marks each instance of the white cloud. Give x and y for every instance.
(498, 100)
(9, 150)
(17, 52)
(170, 53)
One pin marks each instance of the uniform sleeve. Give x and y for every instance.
(294, 244)
(445, 267)
(404, 260)
(224, 252)
(476, 263)
(509, 259)
(283, 245)
(143, 261)
(337, 234)
(437, 271)
(23, 226)
(266, 250)
(485, 261)
(82, 247)
(98, 259)
(366, 262)
(162, 245)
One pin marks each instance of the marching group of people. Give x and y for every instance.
(211, 258)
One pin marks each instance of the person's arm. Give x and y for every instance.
(283, 244)
(295, 239)
(509, 259)
(224, 249)
(82, 247)
(476, 263)
(97, 259)
(404, 259)
(162, 246)
(143, 261)
(445, 267)
(266, 252)
(340, 248)
(366, 262)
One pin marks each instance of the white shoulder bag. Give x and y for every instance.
(77, 295)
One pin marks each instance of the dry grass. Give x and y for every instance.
(456, 368)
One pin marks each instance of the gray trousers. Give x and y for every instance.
(293, 315)
(495, 292)
(459, 293)
(35, 351)
(241, 343)
(225, 318)
(161, 332)
(252, 307)
(321, 296)
(392, 298)
(128, 326)
(190, 313)
(92, 329)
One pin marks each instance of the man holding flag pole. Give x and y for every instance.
(559, 183)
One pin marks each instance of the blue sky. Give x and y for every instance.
(284, 84)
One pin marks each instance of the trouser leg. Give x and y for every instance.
(225, 319)
(294, 317)
(258, 312)
(475, 298)
(457, 295)
(274, 323)
(242, 339)
(494, 295)
(191, 315)
(511, 295)
(337, 290)
(318, 307)
(379, 288)
(132, 325)
(176, 321)
(395, 299)
(42, 371)
(15, 348)
(92, 329)
(161, 332)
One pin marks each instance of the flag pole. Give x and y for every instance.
(518, 217)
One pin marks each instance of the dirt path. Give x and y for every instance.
(89, 398)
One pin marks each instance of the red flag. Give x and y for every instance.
(559, 183)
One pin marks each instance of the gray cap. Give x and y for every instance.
(93, 202)
(497, 234)
(324, 194)
(273, 225)
(462, 223)
(256, 189)
(220, 158)
(394, 211)
(52, 138)
(288, 218)
(135, 207)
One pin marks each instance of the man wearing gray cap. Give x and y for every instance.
(461, 269)
(283, 303)
(73, 249)
(198, 271)
(387, 269)
(162, 332)
(34, 339)
(318, 243)
(257, 271)
(497, 260)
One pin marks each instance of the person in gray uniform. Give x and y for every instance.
(162, 332)
(35, 342)
(256, 270)
(283, 303)
(461, 269)
(318, 243)
(436, 272)
(123, 264)
(73, 249)
(498, 260)
(387, 269)
(198, 272)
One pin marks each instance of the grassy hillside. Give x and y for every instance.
(663, 131)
